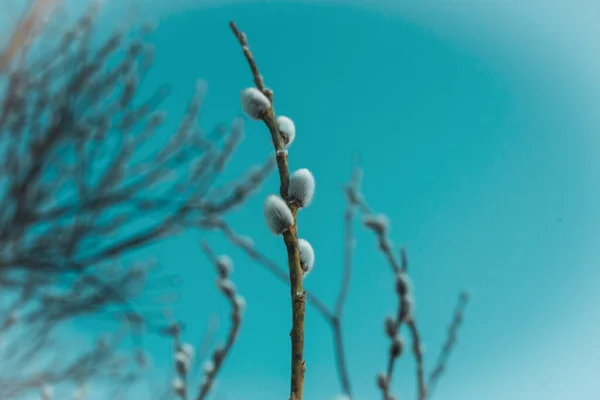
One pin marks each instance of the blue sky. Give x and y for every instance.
(477, 132)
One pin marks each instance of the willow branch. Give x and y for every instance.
(450, 343)
(339, 349)
(290, 237)
(77, 191)
(246, 244)
(379, 224)
(237, 303)
(418, 353)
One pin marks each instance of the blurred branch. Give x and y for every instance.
(184, 352)
(450, 343)
(86, 178)
(377, 223)
(246, 244)
(224, 266)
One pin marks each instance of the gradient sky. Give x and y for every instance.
(476, 128)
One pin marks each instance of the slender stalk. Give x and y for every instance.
(422, 389)
(290, 237)
(336, 322)
(220, 353)
(442, 361)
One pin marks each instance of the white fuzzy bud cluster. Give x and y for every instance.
(224, 266)
(184, 358)
(254, 103)
(302, 187)
(378, 223)
(278, 215)
(287, 129)
(391, 327)
(189, 351)
(182, 362)
(392, 324)
(179, 387)
(210, 368)
(406, 300)
(307, 256)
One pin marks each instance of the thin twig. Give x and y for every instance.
(334, 321)
(237, 302)
(379, 224)
(245, 244)
(290, 237)
(77, 192)
(393, 325)
(418, 353)
(450, 343)
(339, 348)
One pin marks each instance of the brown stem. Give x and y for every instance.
(412, 326)
(298, 298)
(220, 354)
(260, 258)
(290, 237)
(336, 322)
(340, 357)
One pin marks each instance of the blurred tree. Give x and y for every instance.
(86, 178)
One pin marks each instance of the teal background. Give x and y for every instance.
(476, 126)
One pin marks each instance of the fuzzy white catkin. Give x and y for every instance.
(240, 303)
(208, 367)
(188, 350)
(307, 256)
(302, 187)
(407, 304)
(379, 223)
(182, 361)
(227, 287)
(278, 216)
(225, 265)
(178, 385)
(287, 129)
(254, 102)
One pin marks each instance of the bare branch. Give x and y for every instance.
(246, 244)
(349, 243)
(450, 343)
(84, 181)
(227, 287)
(290, 235)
